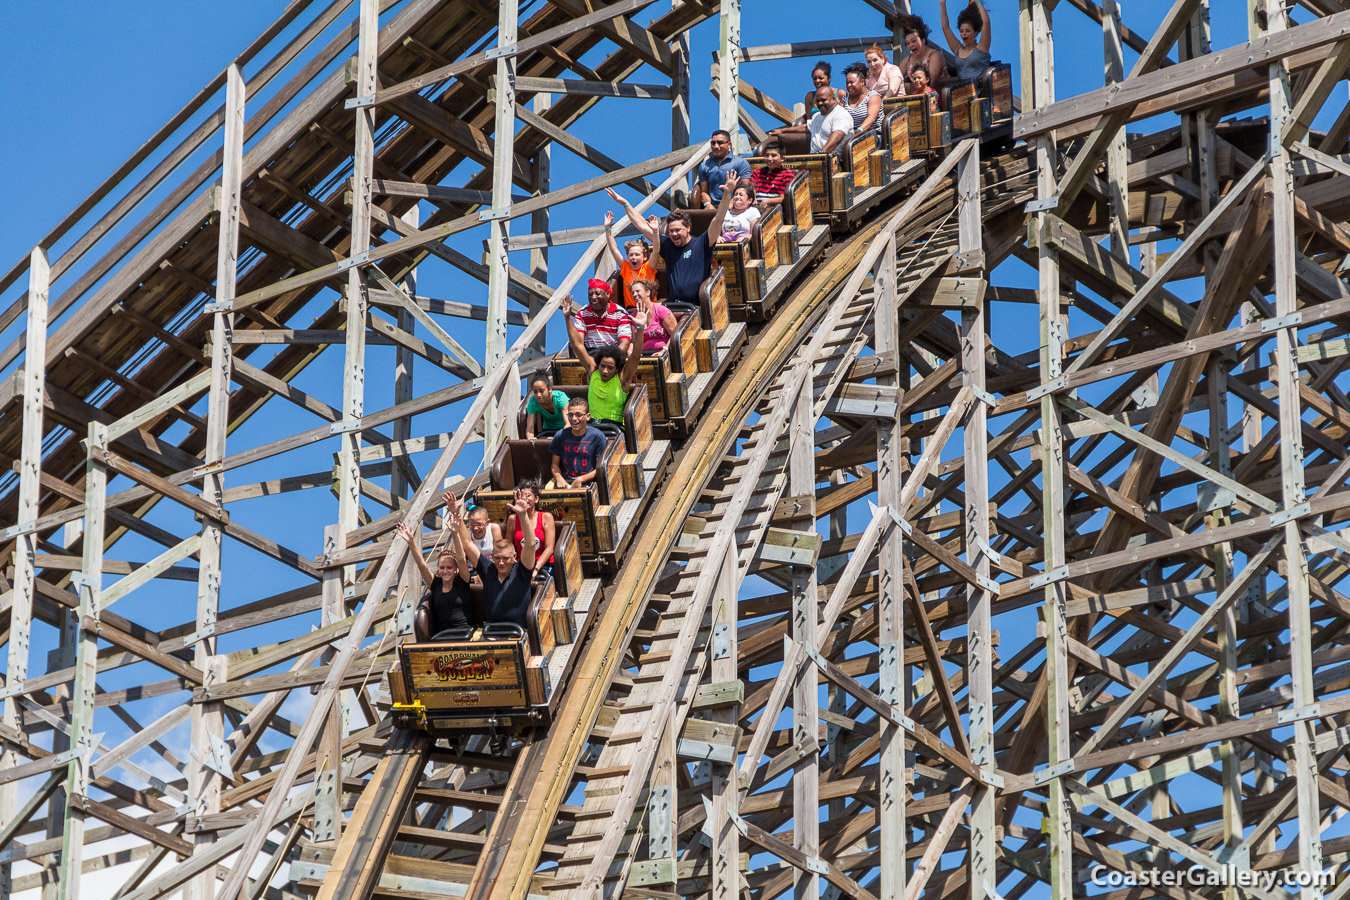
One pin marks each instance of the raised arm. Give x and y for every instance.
(526, 516)
(715, 226)
(952, 40)
(466, 551)
(650, 228)
(405, 531)
(609, 238)
(574, 337)
(640, 317)
(986, 32)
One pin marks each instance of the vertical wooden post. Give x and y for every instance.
(1117, 160)
(400, 485)
(679, 90)
(890, 584)
(663, 810)
(86, 662)
(207, 724)
(1304, 767)
(539, 219)
(805, 619)
(1221, 557)
(354, 380)
(726, 847)
(25, 547)
(979, 601)
(499, 227)
(1039, 42)
(729, 65)
(327, 783)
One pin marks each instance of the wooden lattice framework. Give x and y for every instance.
(961, 587)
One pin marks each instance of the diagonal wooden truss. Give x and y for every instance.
(961, 587)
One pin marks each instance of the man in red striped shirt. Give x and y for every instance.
(601, 323)
(771, 179)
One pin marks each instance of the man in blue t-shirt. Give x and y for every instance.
(576, 449)
(688, 259)
(713, 171)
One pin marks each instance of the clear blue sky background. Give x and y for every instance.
(87, 82)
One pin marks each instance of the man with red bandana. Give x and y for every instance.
(601, 322)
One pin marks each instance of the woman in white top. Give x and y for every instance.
(741, 218)
(883, 77)
(860, 102)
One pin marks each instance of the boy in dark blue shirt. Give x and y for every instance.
(576, 449)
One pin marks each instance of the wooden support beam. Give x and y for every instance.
(534, 42)
(593, 88)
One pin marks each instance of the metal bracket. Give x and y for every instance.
(493, 213)
(1045, 578)
(499, 52)
(347, 426)
(987, 584)
(1288, 515)
(991, 777)
(1050, 773)
(721, 641)
(360, 102)
(1269, 325)
(983, 396)
(200, 634)
(219, 306)
(1298, 714)
(817, 865)
(1054, 384)
(1047, 205)
(359, 259)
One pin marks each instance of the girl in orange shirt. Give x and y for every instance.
(636, 260)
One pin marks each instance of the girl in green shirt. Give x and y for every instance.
(611, 370)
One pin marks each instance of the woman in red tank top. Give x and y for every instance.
(545, 529)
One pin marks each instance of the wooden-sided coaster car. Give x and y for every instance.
(956, 99)
(895, 130)
(919, 108)
(592, 510)
(469, 683)
(996, 86)
(665, 373)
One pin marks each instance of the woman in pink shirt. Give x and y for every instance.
(660, 320)
(883, 77)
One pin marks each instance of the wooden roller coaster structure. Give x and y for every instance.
(967, 581)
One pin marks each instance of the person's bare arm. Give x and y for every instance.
(836, 138)
(669, 324)
(640, 317)
(715, 226)
(873, 111)
(986, 31)
(527, 539)
(557, 471)
(612, 244)
(405, 531)
(466, 551)
(651, 231)
(574, 336)
(533, 422)
(952, 40)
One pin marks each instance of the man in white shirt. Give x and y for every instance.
(828, 127)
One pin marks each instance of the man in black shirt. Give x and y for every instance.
(506, 582)
(688, 259)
